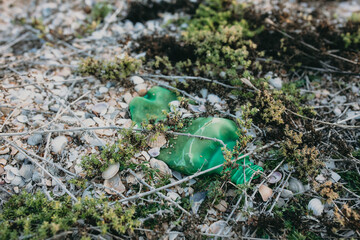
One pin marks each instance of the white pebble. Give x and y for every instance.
(58, 144)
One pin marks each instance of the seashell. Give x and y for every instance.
(4, 150)
(334, 176)
(155, 140)
(265, 192)
(286, 193)
(162, 166)
(154, 152)
(3, 161)
(115, 183)
(274, 178)
(111, 171)
(316, 206)
(280, 202)
(296, 186)
(9, 176)
(174, 105)
(187, 115)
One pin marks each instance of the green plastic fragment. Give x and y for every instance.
(188, 154)
(151, 105)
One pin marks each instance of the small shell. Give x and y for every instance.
(115, 183)
(161, 166)
(154, 152)
(275, 177)
(316, 206)
(334, 176)
(4, 150)
(286, 193)
(265, 192)
(3, 161)
(111, 171)
(156, 141)
(296, 186)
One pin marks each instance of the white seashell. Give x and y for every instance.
(156, 140)
(334, 176)
(111, 171)
(3, 161)
(115, 183)
(162, 166)
(286, 193)
(4, 151)
(275, 177)
(280, 202)
(173, 196)
(174, 105)
(296, 186)
(9, 176)
(154, 152)
(265, 192)
(316, 206)
(187, 115)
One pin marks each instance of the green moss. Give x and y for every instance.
(122, 151)
(34, 217)
(118, 69)
(100, 10)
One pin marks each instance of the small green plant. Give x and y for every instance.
(32, 216)
(100, 10)
(118, 69)
(122, 151)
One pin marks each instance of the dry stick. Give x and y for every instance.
(42, 168)
(278, 196)
(13, 42)
(190, 78)
(80, 129)
(158, 193)
(192, 176)
(327, 123)
(109, 188)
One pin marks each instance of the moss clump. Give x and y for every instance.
(32, 216)
(121, 152)
(118, 69)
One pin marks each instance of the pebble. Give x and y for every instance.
(26, 171)
(173, 196)
(212, 98)
(22, 118)
(88, 122)
(69, 120)
(196, 200)
(216, 227)
(18, 181)
(141, 88)
(337, 111)
(35, 139)
(19, 157)
(103, 90)
(161, 166)
(136, 80)
(276, 82)
(127, 97)
(58, 144)
(100, 108)
(222, 206)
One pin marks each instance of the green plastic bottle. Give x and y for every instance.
(187, 154)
